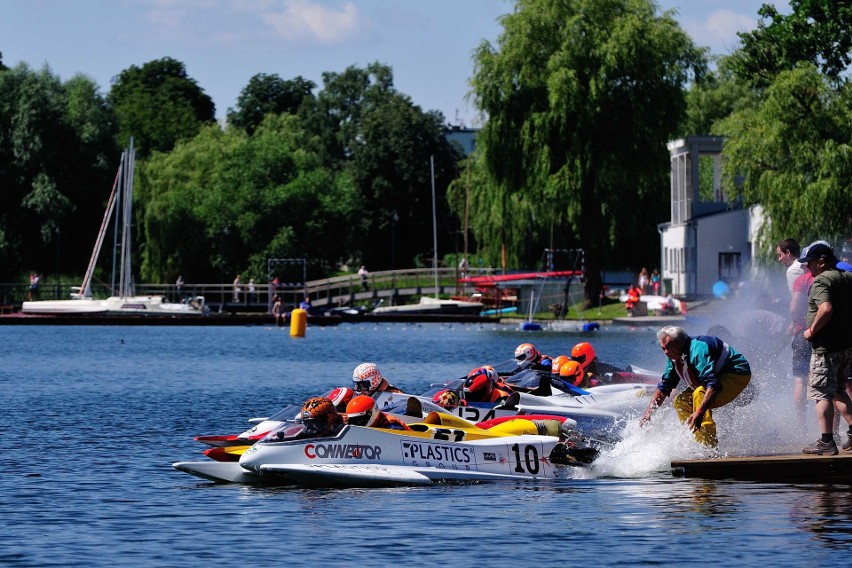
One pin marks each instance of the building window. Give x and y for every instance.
(730, 266)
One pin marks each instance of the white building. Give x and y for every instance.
(708, 239)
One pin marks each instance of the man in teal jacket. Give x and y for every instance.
(714, 373)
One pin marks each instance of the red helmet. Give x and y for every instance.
(526, 352)
(341, 397)
(446, 398)
(362, 411)
(583, 353)
(319, 416)
(572, 372)
(368, 379)
(557, 363)
(479, 384)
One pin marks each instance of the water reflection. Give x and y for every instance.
(826, 511)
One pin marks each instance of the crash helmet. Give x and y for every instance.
(479, 384)
(319, 416)
(557, 363)
(341, 397)
(526, 352)
(572, 372)
(583, 353)
(362, 411)
(446, 398)
(368, 379)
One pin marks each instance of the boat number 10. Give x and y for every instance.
(529, 459)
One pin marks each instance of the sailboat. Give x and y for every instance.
(125, 302)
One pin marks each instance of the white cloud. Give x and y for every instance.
(303, 20)
(719, 29)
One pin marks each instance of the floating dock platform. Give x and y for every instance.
(782, 468)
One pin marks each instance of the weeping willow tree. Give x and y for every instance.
(581, 97)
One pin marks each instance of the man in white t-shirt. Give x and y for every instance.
(788, 251)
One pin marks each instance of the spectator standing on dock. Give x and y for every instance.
(801, 349)
(714, 373)
(643, 280)
(237, 288)
(655, 281)
(252, 291)
(179, 288)
(277, 309)
(829, 330)
(34, 281)
(788, 251)
(362, 272)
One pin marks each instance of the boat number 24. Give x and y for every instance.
(528, 462)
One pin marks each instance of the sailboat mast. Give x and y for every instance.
(434, 226)
(125, 282)
(86, 285)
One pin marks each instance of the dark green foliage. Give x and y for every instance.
(269, 94)
(158, 105)
(56, 147)
(582, 96)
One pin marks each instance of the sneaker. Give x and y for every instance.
(821, 448)
(847, 445)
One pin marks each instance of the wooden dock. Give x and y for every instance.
(783, 468)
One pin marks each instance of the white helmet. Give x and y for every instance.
(526, 352)
(367, 378)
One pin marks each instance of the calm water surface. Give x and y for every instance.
(93, 417)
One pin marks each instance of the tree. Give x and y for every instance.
(223, 203)
(817, 32)
(268, 94)
(793, 155)
(385, 143)
(581, 97)
(158, 104)
(55, 150)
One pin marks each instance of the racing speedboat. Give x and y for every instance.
(442, 447)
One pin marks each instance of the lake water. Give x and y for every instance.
(92, 418)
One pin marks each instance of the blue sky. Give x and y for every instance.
(223, 43)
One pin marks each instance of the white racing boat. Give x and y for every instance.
(440, 448)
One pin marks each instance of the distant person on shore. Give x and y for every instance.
(643, 280)
(463, 268)
(237, 287)
(306, 304)
(252, 291)
(788, 251)
(714, 373)
(829, 331)
(655, 282)
(634, 294)
(179, 288)
(277, 309)
(34, 282)
(362, 272)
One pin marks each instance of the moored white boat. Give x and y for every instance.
(82, 301)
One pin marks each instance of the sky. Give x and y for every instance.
(223, 43)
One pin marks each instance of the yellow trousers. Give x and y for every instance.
(687, 401)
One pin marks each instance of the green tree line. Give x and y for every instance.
(579, 97)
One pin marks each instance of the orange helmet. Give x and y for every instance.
(572, 372)
(526, 352)
(557, 363)
(368, 379)
(446, 398)
(341, 397)
(583, 353)
(362, 411)
(319, 416)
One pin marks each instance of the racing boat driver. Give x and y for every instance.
(368, 380)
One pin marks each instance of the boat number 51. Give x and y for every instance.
(529, 459)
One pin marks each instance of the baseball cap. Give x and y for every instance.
(816, 250)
